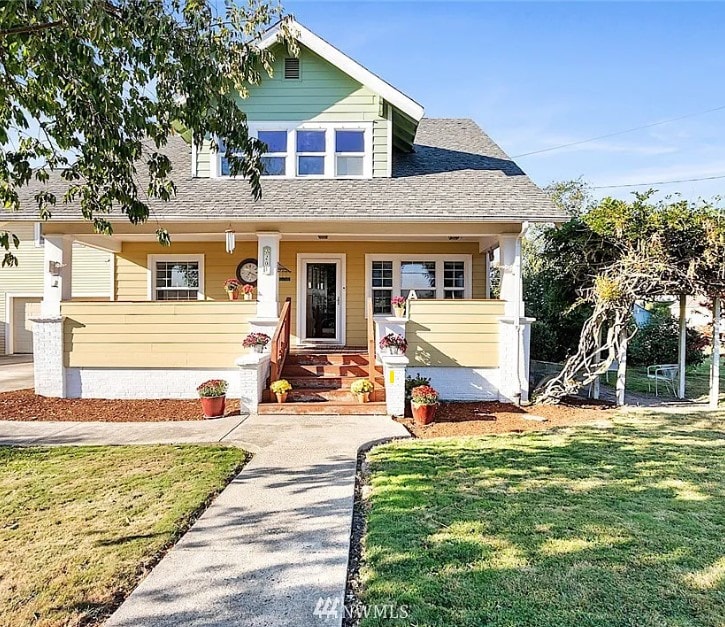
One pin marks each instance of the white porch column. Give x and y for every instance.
(253, 372)
(267, 283)
(514, 337)
(57, 266)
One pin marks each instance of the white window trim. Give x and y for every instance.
(439, 259)
(151, 261)
(292, 154)
(38, 238)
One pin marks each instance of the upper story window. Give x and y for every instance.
(275, 159)
(349, 152)
(311, 153)
(310, 149)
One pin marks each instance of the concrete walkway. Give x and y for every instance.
(16, 372)
(272, 544)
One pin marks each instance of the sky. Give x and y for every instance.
(535, 75)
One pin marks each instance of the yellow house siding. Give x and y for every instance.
(454, 333)
(355, 252)
(155, 335)
(132, 275)
(91, 272)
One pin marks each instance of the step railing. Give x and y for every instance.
(371, 346)
(281, 341)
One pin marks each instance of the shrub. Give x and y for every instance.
(213, 387)
(414, 382)
(658, 342)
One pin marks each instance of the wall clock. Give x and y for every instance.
(247, 271)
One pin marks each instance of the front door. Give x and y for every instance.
(320, 319)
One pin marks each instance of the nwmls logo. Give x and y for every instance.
(331, 608)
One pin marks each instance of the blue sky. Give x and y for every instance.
(541, 74)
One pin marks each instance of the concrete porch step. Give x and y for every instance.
(325, 408)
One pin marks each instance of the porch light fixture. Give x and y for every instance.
(230, 240)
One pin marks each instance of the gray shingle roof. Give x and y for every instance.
(456, 173)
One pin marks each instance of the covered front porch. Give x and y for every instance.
(171, 320)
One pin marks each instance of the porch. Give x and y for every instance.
(145, 343)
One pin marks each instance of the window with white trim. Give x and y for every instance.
(349, 152)
(310, 150)
(176, 277)
(429, 276)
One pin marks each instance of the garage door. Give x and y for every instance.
(23, 308)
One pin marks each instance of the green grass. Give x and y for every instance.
(697, 381)
(80, 525)
(605, 527)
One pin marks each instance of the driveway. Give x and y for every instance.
(274, 545)
(16, 372)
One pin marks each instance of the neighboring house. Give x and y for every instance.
(21, 287)
(365, 199)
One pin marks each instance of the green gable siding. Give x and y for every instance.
(323, 94)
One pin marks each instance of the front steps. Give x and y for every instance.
(321, 384)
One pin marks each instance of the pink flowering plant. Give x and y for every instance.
(394, 341)
(398, 301)
(424, 395)
(213, 387)
(256, 339)
(247, 288)
(231, 285)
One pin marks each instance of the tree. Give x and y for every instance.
(619, 252)
(93, 88)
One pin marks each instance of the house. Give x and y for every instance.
(364, 199)
(21, 287)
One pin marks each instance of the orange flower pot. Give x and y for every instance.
(423, 414)
(213, 406)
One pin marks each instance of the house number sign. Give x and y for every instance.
(267, 259)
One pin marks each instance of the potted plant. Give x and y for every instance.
(213, 397)
(232, 288)
(247, 291)
(256, 341)
(424, 402)
(362, 388)
(280, 389)
(398, 306)
(395, 344)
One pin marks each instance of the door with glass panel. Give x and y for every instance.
(321, 319)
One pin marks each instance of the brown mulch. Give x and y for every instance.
(25, 405)
(456, 419)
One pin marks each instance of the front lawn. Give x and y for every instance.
(80, 525)
(582, 527)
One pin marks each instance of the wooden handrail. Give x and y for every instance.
(280, 342)
(371, 345)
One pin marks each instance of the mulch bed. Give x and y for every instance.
(456, 419)
(25, 405)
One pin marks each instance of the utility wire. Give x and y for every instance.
(704, 178)
(615, 134)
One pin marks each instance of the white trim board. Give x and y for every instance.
(303, 258)
(351, 67)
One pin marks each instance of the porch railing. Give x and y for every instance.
(371, 345)
(281, 341)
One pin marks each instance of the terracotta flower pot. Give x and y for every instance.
(423, 414)
(363, 397)
(282, 398)
(233, 295)
(213, 406)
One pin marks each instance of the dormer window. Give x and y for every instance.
(291, 69)
(311, 153)
(349, 152)
(274, 160)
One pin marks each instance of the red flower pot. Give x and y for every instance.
(213, 406)
(423, 414)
